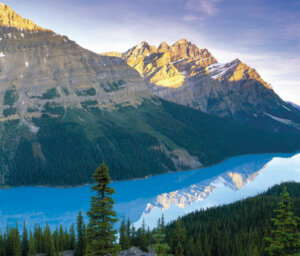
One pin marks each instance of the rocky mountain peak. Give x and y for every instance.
(185, 49)
(242, 71)
(163, 47)
(8, 18)
(168, 66)
(182, 41)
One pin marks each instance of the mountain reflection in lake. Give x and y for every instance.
(172, 194)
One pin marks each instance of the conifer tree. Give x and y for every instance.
(38, 238)
(160, 246)
(285, 238)
(66, 240)
(129, 235)
(179, 238)
(132, 234)
(72, 238)
(80, 243)
(55, 241)
(102, 217)
(25, 245)
(61, 239)
(143, 240)
(215, 240)
(14, 244)
(2, 244)
(31, 246)
(124, 238)
(190, 248)
(48, 242)
(198, 248)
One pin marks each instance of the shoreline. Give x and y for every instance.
(4, 187)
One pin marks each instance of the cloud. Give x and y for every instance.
(207, 7)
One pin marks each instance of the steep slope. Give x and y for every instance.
(8, 18)
(294, 105)
(190, 76)
(64, 110)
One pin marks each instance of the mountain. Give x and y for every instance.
(294, 105)
(64, 110)
(8, 18)
(184, 74)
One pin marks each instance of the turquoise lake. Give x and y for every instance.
(172, 194)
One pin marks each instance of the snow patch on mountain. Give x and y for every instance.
(218, 70)
(281, 120)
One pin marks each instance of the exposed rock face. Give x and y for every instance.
(134, 251)
(167, 66)
(190, 76)
(112, 54)
(45, 68)
(8, 18)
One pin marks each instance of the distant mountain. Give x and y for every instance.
(64, 110)
(294, 105)
(112, 54)
(190, 76)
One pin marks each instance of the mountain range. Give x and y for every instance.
(65, 109)
(187, 75)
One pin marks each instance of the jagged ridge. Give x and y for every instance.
(190, 76)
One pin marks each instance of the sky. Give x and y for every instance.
(265, 34)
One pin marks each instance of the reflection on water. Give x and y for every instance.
(173, 194)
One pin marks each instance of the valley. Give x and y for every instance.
(65, 109)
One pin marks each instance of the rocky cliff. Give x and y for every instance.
(190, 76)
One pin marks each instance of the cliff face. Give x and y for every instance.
(190, 76)
(43, 68)
(167, 66)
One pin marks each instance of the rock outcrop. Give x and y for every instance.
(134, 251)
(185, 74)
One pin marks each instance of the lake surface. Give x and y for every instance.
(172, 194)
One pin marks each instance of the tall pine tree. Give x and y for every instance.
(160, 246)
(124, 240)
(31, 246)
(285, 238)
(80, 242)
(101, 234)
(25, 245)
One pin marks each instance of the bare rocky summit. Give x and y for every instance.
(8, 18)
(185, 74)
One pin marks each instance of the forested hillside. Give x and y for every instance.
(133, 141)
(236, 229)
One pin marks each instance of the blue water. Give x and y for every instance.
(173, 194)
